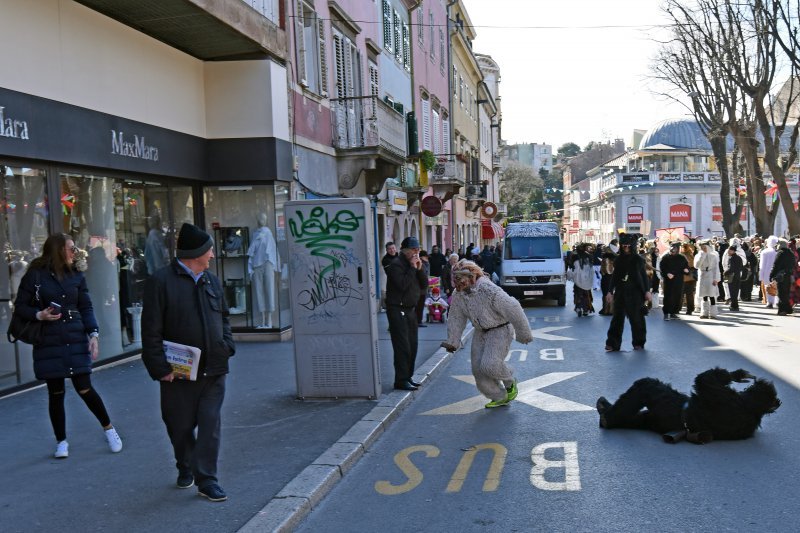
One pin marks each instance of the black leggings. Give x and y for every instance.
(713, 300)
(82, 384)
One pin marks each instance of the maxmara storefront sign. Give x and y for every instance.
(36, 128)
(136, 148)
(12, 127)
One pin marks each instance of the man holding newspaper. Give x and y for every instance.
(186, 343)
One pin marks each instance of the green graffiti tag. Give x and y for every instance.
(323, 236)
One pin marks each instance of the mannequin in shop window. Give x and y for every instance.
(262, 264)
(156, 254)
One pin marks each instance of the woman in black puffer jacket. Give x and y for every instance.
(69, 336)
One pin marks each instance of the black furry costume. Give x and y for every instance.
(714, 411)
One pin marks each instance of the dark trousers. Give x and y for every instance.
(688, 292)
(627, 305)
(673, 293)
(403, 330)
(784, 286)
(605, 283)
(746, 289)
(186, 405)
(56, 393)
(734, 288)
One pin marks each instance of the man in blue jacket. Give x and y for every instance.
(184, 303)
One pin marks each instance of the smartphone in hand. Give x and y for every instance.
(56, 307)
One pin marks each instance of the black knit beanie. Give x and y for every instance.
(192, 242)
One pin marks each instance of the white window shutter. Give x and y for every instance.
(406, 48)
(387, 27)
(338, 54)
(426, 124)
(299, 34)
(437, 145)
(441, 50)
(374, 80)
(323, 58)
(398, 37)
(430, 18)
(445, 134)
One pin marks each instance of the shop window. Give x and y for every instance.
(247, 223)
(23, 230)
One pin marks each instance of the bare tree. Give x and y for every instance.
(780, 122)
(688, 62)
(732, 54)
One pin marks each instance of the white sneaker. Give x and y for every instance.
(114, 442)
(62, 450)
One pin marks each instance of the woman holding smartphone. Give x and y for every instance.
(69, 337)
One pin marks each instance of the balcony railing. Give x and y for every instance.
(447, 170)
(365, 122)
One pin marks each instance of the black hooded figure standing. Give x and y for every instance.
(673, 267)
(629, 289)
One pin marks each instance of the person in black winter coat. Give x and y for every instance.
(185, 304)
(70, 335)
(406, 281)
(733, 276)
(673, 267)
(782, 271)
(437, 260)
(629, 289)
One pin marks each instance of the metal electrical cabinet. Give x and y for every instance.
(334, 307)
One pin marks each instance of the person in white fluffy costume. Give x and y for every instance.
(497, 318)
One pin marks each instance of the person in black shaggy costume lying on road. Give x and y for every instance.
(715, 410)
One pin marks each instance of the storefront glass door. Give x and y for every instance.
(23, 230)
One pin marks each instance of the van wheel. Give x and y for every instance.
(562, 299)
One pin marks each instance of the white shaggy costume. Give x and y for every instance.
(493, 313)
(707, 265)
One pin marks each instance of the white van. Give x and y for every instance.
(532, 265)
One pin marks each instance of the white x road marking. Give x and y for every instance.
(543, 333)
(529, 393)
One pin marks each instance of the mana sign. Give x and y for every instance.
(680, 213)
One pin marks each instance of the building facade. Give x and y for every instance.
(670, 181)
(124, 129)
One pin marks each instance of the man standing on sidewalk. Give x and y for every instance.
(406, 281)
(184, 303)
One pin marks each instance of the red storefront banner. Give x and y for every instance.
(680, 213)
(635, 215)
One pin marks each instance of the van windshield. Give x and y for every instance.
(532, 248)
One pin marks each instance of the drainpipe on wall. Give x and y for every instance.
(453, 227)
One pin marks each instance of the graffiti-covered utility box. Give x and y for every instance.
(334, 308)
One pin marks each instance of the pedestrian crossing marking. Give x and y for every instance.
(529, 394)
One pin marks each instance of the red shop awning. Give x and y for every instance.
(491, 230)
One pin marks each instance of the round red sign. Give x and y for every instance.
(431, 206)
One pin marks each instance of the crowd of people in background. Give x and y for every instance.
(705, 274)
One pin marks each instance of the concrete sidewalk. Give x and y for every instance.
(280, 456)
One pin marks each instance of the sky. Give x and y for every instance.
(573, 70)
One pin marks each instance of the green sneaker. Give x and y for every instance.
(512, 392)
(496, 403)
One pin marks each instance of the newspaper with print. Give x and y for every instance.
(184, 359)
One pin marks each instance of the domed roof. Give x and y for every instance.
(680, 133)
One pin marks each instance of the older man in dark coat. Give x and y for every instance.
(184, 303)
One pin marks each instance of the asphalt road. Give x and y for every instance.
(542, 463)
